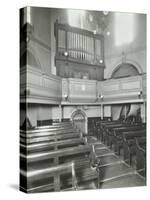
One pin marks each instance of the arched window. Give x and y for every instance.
(124, 70)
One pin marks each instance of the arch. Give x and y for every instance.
(78, 116)
(124, 69)
(130, 62)
(78, 112)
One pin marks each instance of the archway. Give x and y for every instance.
(79, 119)
(124, 70)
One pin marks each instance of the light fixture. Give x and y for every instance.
(140, 94)
(94, 32)
(90, 18)
(101, 61)
(65, 97)
(105, 12)
(66, 53)
(101, 97)
(107, 33)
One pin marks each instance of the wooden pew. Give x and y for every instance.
(49, 129)
(101, 127)
(40, 147)
(129, 144)
(34, 157)
(55, 125)
(84, 172)
(105, 123)
(62, 123)
(35, 178)
(49, 138)
(40, 133)
(35, 147)
(108, 129)
(93, 126)
(141, 156)
(115, 136)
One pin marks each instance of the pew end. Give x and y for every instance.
(141, 157)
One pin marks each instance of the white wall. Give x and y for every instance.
(91, 111)
(38, 112)
(134, 51)
(44, 112)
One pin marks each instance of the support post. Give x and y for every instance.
(143, 112)
(60, 111)
(102, 111)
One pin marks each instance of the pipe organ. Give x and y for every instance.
(78, 51)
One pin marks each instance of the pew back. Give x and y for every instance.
(56, 171)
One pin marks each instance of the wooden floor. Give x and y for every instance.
(114, 172)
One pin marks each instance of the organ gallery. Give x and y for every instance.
(82, 99)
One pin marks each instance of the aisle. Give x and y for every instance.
(114, 172)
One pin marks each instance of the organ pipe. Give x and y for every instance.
(82, 45)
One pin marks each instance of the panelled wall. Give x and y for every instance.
(41, 88)
(41, 93)
(112, 91)
(50, 97)
(79, 90)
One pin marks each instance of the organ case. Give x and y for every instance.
(79, 53)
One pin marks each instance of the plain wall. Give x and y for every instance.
(133, 52)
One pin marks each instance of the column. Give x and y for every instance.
(53, 44)
(60, 111)
(102, 111)
(143, 112)
(86, 125)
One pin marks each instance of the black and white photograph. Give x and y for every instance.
(83, 99)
